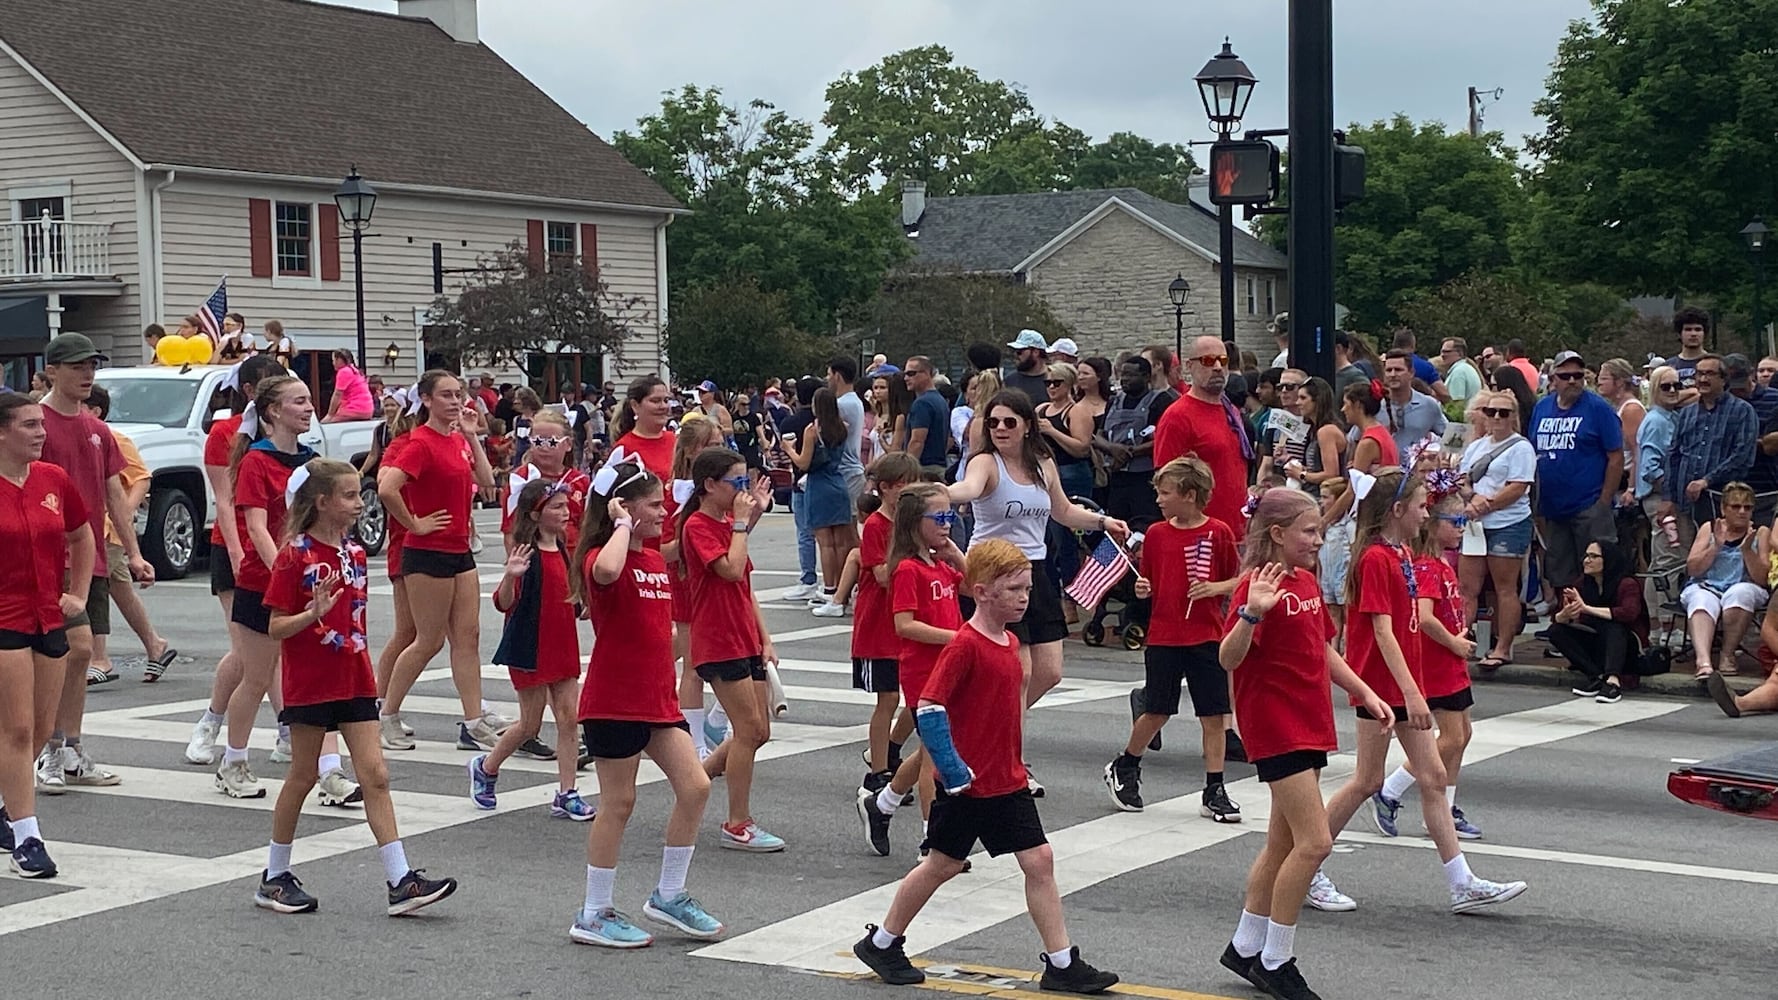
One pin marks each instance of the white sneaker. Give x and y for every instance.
(802, 592)
(406, 730)
(389, 731)
(237, 782)
(202, 748)
(1480, 892)
(1323, 896)
(335, 789)
(829, 610)
(281, 751)
(49, 773)
(500, 722)
(79, 769)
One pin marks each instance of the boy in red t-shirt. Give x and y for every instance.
(875, 646)
(982, 779)
(1188, 567)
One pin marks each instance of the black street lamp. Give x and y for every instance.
(1176, 292)
(357, 200)
(1757, 236)
(1225, 85)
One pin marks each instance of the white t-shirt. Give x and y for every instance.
(1517, 464)
(1282, 360)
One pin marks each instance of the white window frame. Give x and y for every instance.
(313, 278)
(1271, 296)
(42, 189)
(1252, 296)
(573, 236)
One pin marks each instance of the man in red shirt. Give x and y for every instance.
(82, 446)
(1204, 423)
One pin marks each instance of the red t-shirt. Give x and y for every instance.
(1193, 427)
(1281, 688)
(929, 590)
(873, 627)
(1382, 590)
(630, 673)
(397, 533)
(558, 637)
(1445, 672)
(656, 452)
(981, 685)
(260, 483)
(1172, 560)
(724, 625)
(330, 659)
(579, 485)
(217, 446)
(82, 447)
(440, 476)
(35, 520)
(1388, 455)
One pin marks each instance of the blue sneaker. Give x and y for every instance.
(481, 783)
(749, 837)
(1465, 829)
(1383, 813)
(609, 929)
(30, 860)
(714, 734)
(569, 805)
(684, 914)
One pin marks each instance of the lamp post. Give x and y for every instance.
(357, 200)
(1226, 85)
(1757, 236)
(1176, 292)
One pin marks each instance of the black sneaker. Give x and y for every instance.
(415, 890)
(1217, 806)
(876, 825)
(284, 894)
(6, 842)
(1123, 779)
(1078, 977)
(536, 749)
(1232, 747)
(1284, 982)
(1136, 710)
(890, 964)
(30, 860)
(1609, 694)
(1243, 967)
(874, 781)
(1588, 688)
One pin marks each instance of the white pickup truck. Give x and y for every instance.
(167, 412)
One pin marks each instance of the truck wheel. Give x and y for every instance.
(171, 538)
(372, 529)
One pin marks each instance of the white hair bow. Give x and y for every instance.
(516, 483)
(250, 420)
(297, 479)
(413, 399)
(1362, 483)
(233, 379)
(606, 478)
(682, 490)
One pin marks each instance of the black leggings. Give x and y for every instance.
(1598, 651)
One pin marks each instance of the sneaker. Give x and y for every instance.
(500, 722)
(609, 929)
(684, 914)
(1587, 688)
(829, 610)
(415, 890)
(202, 749)
(1233, 748)
(30, 860)
(49, 772)
(569, 805)
(890, 964)
(536, 749)
(584, 758)
(79, 769)
(1383, 812)
(802, 592)
(1123, 779)
(1284, 982)
(1032, 785)
(237, 782)
(6, 841)
(716, 731)
(284, 894)
(1243, 967)
(749, 837)
(481, 734)
(1325, 897)
(481, 783)
(1217, 806)
(475, 542)
(1465, 829)
(876, 825)
(821, 599)
(1480, 892)
(281, 750)
(337, 790)
(1136, 708)
(1609, 694)
(1078, 977)
(392, 733)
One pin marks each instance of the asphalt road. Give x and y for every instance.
(1633, 894)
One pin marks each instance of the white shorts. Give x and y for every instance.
(1746, 596)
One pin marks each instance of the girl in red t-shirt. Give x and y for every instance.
(696, 432)
(642, 425)
(875, 645)
(317, 599)
(1278, 649)
(539, 646)
(1382, 624)
(628, 708)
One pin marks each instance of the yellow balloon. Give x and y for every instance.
(170, 350)
(198, 350)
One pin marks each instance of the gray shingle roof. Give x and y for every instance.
(995, 232)
(307, 89)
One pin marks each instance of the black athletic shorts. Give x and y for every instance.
(1401, 714)
(330, 715)
(1459, 702)
(1197, 666)
(53, 644)
(876, 675)
(442, 565)
(1044, 620)
(1283, 765)
(222, 574)
(744, 668)
(1005, 824)
(621, 739)
(250, 611)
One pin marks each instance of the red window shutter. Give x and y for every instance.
(327, 223)
(259, 234)
(534, 242)
(589, 248)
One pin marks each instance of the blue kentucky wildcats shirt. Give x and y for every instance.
(1572, 445)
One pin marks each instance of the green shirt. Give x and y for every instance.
(1462, 380)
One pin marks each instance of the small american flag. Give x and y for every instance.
(1198, 567)
(214, 308)
(1103, 570)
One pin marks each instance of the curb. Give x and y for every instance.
(1554, 675)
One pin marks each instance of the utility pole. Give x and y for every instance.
(1311, 186)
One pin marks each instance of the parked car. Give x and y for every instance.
(1744, 783)
(167, 412)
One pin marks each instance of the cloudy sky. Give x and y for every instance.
(1104, 66)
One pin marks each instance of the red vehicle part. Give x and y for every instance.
(1745, 784)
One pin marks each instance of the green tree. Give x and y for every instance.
(1484, 309)
(940, 311)
(513, 305)
(732, 328)
(1126, 159)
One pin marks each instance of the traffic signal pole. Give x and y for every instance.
(1311, 188)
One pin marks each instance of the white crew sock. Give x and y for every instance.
(1451, 796)
(675, 863)
(394, 861)
(1457, 872)
(232, 756)
(1397, 784)
(211, 718)
(25, 829)
(1280, 945)
(888, 801)
(1250, 934)
(328, 762)
(600, 883)
(277, 860)
(694, 717)
(1061, 959)
(881, 938)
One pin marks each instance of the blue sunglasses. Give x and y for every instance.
(740, 482)
(943, 518)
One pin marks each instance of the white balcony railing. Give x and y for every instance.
(47, 249)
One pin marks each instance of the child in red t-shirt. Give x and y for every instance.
(316, 598)
(1188, 568)
(1278, 649)
(977, 752)
(695, 433)
(539, 646)
(875, 646)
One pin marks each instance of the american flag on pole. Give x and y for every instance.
(1198, 567)
(1104, 568)
(214, 308)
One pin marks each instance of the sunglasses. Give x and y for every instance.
(942, 518)
(1053, 382)
(548, 442)
(1737, 506)
(1670, 386)
(1289, 386)
(1496, 411)
(995, 423)
(1460, 520)
(1569, 376)
(742, 482)
(1212, 360)
(911, 372)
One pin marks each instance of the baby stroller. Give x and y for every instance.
(1132, 614)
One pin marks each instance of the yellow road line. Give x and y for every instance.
(1017, 984)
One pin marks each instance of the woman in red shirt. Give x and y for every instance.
(426, 487)
(45, 518)
(642, 426)
(696, 432)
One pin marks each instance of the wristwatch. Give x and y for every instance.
(1247, 616)
(742, 528)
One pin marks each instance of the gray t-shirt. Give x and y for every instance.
(1411, 422)
(852, 412)
(1030, 385)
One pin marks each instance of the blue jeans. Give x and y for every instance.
(805, 538)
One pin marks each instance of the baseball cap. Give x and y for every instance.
(1563, 357)
(1028, 339)
(1065, 346)
(881, 370)
(706, 386)
(70, 347)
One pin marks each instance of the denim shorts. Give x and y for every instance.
(1514, 540)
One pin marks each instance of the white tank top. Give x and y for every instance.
(1015, 512)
